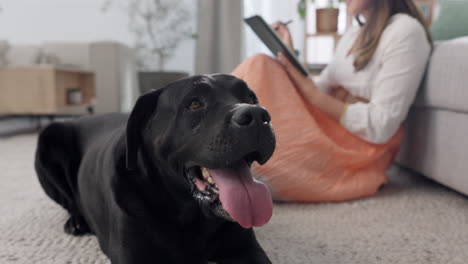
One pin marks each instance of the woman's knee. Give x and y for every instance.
(264, 61)
(262, 58)
(260, 64)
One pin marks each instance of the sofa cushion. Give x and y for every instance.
(445, 85)
(435, 145)
(452, 21)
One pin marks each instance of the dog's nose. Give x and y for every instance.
(247, 115)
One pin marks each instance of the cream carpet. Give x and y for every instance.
(412, 220)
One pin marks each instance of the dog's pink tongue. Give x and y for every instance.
(246, 200)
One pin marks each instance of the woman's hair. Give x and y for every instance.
(380, 13)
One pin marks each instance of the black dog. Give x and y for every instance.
(171, 183)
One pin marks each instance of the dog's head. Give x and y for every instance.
(203, 133)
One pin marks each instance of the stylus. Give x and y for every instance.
(285, 24)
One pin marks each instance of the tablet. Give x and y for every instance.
(272, 41)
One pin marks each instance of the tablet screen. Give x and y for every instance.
(272, 41)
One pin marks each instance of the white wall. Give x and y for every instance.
(37, 21)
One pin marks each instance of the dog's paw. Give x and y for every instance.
(76, 226)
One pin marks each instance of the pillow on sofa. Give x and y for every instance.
(23, 55)
(452, 21)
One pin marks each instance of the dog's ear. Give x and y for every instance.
(143, 109)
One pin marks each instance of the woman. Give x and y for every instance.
(338, 133)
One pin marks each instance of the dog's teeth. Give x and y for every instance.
(205, 173)
(210, 180)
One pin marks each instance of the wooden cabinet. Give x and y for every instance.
(37, 90)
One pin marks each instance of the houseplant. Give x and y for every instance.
(158, 27)
(327, 17)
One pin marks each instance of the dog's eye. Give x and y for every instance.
(196, 104)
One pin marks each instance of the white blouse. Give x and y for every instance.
(389, 81)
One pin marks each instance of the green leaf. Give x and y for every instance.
(301, 8)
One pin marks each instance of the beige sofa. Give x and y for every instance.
(436, 140)
(113, 64)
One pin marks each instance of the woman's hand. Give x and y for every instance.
(284, 34)
(326, 103)
(305, 85)
(340, 93)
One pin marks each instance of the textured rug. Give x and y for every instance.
(411, 220)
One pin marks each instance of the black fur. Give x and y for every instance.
(122, 178)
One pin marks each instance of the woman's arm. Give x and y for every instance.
(405, 52)
(325, 102)
(404, 58)
(322, 82)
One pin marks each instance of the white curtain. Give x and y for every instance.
(219, 42)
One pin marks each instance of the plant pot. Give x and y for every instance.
(327, 20)
(158, 79)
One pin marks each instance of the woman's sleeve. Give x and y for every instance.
(323, 81)
(403, 63)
